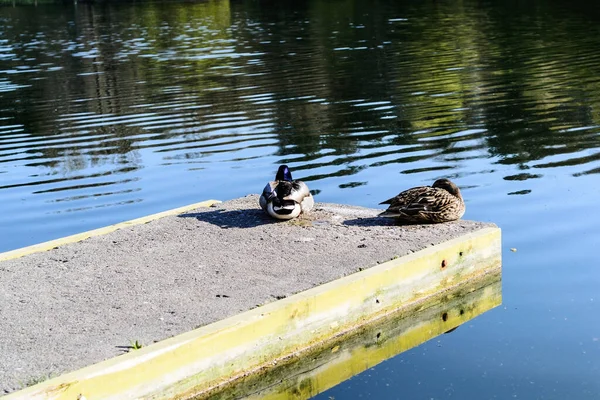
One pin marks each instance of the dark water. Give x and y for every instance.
(111, 112)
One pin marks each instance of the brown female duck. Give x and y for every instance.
(441, 202)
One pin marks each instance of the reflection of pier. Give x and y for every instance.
(348, 355)
(389, 288)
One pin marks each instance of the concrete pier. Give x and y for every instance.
(224, 290)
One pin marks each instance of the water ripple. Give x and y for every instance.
(348, 104)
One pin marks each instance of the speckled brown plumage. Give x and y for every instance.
(441, 202)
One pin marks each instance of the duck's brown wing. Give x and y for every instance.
(406, 197)
(432, 201)
(420, 204)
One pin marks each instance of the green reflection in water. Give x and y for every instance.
(342, 77)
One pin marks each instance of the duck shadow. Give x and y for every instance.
(248, 218)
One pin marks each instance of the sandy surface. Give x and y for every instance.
(84, 302)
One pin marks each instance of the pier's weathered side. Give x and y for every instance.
(257, 291)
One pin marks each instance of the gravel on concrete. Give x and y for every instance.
(84, 302)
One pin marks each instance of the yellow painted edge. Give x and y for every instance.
(354, 359)
(365, 357)
(133, 373)
(45, 246)
(303, 320)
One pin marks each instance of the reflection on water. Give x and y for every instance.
(105, 107)
(318, 371)
(113, 111)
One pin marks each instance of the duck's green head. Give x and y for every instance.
(447, 185)
(283, 174)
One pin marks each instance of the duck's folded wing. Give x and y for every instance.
(298, 191)
(267, 195)
(407, 197)
(433, 201)
(269, 190)
(421, 204)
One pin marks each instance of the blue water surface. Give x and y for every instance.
(111, 111)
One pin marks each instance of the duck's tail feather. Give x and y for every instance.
(390, 214)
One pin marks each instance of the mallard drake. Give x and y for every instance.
(441, 202)
(285, 198)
